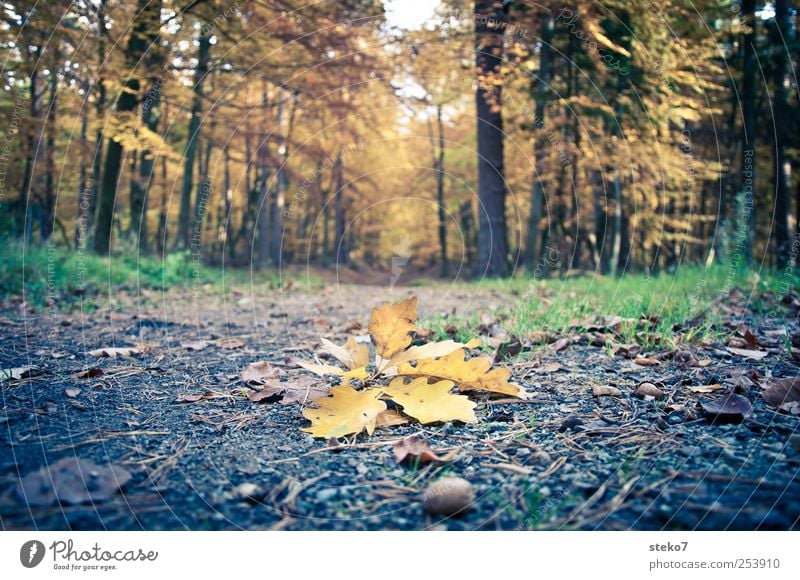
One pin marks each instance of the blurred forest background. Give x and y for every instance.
(490, 137)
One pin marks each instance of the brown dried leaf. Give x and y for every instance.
(782, 391)
(195, 345)
(746, 353)
(229, 343)
(88, 373)
(258, 373)
(728, 407)
(414, 449)
(605, 391)
(72, 481)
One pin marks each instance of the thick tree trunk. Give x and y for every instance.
(490, 25)
(281, 186)
(783, 174)
(185, 222)
(145, 29)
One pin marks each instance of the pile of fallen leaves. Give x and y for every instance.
(419, 380)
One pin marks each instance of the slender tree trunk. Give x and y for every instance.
(282, 185)
(185, 225)
(26, 195)
(145, 29)
(141, 184)
(533, 251)
(161, 236)
(49, 200)
(783, 176)
(100, 106)
(342, 251)
(83, 190)
(746, 222)
(490, 25)
(444, 264)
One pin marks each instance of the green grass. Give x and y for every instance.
(51, 274)
(558, 305)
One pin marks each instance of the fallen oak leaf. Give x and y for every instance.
(88, 373)
(469, 375)
(297, 390)
(391, 326)
(323, 370)
(345, 412)
(728, 408)
(390, 418)
(229, 343)
(72, 481)
(352, 355)
(414, 449)
(258, 373)
(782, 391)
(431, 350)
(195, 345)
(431, 403)
(746, 353)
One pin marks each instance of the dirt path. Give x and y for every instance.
(565, 459)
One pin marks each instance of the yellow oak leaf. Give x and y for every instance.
(429, 350)
(345, 412)
(469, 375)
(359, 373)
(390, 326)
(352, 355)
(429, 403)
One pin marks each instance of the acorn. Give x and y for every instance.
(449, 496)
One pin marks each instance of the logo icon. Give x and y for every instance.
(31, 553)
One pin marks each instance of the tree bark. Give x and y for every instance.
(783, 174)
(490, 25)
(185, 225)
(339, 210)
(444, 264)
(746, 217)
(49, 198)
(145, 29)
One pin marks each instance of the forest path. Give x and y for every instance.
(176, 419)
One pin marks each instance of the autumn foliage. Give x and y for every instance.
(419, 380)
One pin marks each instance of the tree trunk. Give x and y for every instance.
(490, 25)
(141, 184)
(444, 264)
(746, 218)
(783, 174)
(79, 235)
(145, 29)
(340, 242)
(282, 185)
(100, 106)
(185, 225)
(533, 250)
(49, 199)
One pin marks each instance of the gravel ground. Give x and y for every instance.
(564, 459)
